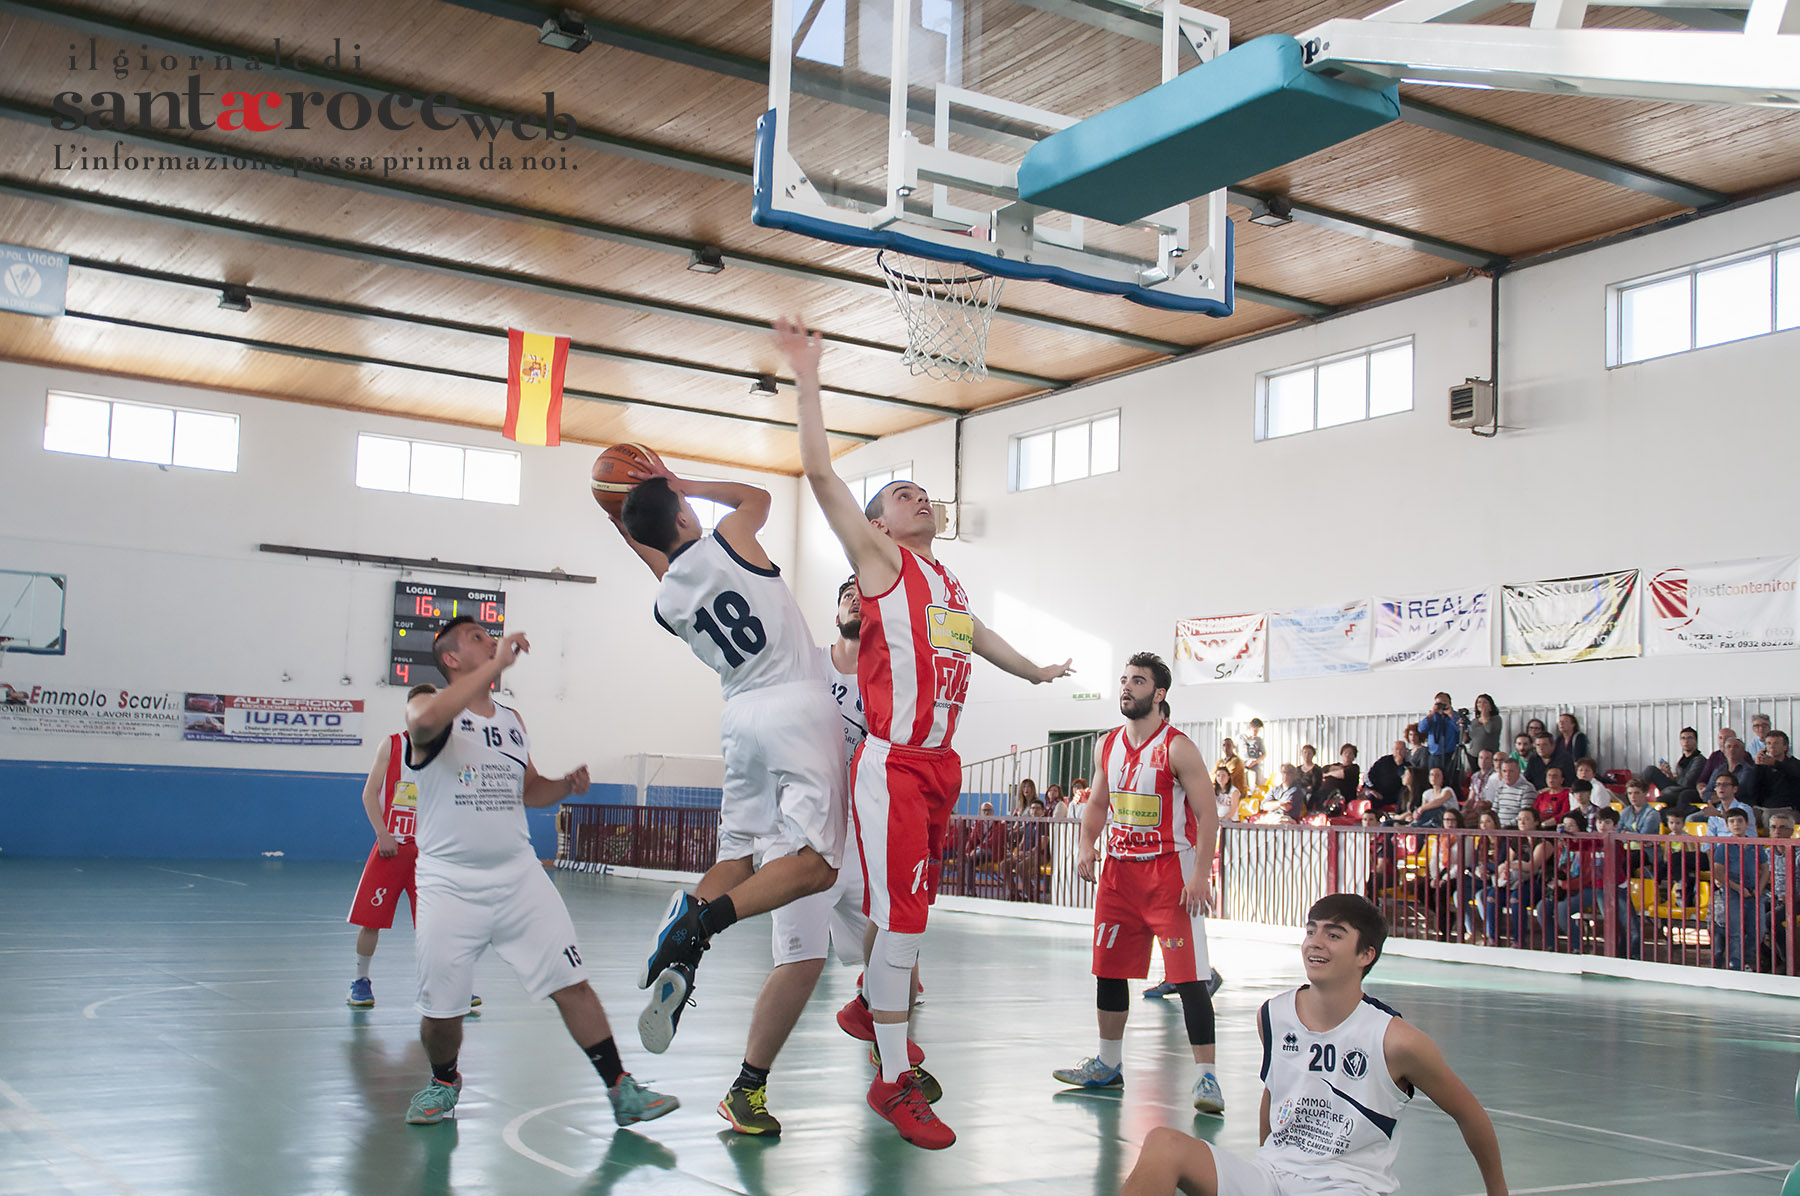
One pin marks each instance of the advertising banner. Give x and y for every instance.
(1570, 619)
(168, 714)
(1731, 606)
(307, 722)
(1319, 641)
(1443, 629)
(1221, 648)
(89, 710)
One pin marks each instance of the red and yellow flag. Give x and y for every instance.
(534, 386)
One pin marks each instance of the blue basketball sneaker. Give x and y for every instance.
(672, 994)
(632, 1102)
(1208, 1096)
(362, 994)
(434, 1103)
(1090, 1073)
(678, 940)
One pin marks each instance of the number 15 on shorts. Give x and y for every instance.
(918, 876)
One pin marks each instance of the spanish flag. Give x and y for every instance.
(534, 386)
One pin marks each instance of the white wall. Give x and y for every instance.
(1682, 460)
(168, 591)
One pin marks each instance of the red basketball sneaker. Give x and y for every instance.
(905, 1106)
(855, 1020)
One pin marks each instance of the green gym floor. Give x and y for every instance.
(180, 1028)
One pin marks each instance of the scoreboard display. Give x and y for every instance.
(419, 610)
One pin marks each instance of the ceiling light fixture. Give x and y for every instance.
(1272, 212)
(235, 299)
(708, 259)
(565, 32)
(765, 387)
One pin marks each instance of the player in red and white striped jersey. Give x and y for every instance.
(913, 664)
(1152, 800)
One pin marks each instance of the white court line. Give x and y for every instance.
(1644, 1179)
(92, 1012)
(242, 884)
(1588, 1129)
(35, 1120)
(510, 1135)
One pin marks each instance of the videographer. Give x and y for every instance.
(1443, 731)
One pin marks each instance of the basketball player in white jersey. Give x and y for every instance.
(391, 805)
(913, 665)
(1152, 799)
(480, 886)
(1338, 1067)
(781, 815)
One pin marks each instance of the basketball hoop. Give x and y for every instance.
(948, 310)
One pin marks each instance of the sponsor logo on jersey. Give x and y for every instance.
(468, 724)
(517, 738)
(466, 776)
(1173, 944)
(1289, 1042)
(1356, 1065)
(1281, 1115)
(1159, 756)
(406, 794)
(950, 630)
(1136, 809)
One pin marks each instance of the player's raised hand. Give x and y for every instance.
(1051, 672)
(511, 648)
(578, 781)
(801, 348)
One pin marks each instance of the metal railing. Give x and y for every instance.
(670, 838)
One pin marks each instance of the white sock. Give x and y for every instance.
(362, 966)
(890, 1041)
(1203, 1069)
(1112, 1051)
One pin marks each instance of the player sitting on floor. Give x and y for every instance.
(1337, 1068)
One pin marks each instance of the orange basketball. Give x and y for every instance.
(612, 479)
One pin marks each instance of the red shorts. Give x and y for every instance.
(384, 878)
(902, 799)
(1138, 901)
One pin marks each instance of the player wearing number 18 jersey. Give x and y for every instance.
(781, 816)
(913, 664)
(1153, 803)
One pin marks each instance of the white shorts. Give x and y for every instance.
(1254, 1177)
(784, 774)
(804, 929)
(516, 911)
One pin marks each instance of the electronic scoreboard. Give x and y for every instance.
(419, 610)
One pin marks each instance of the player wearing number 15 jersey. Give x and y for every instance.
(781, 816)
(913, 664)
(1152, 801)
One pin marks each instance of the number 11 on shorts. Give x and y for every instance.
(918, 875)
(1105, 936)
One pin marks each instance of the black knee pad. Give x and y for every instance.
(1112, 996)
(1197, 1011)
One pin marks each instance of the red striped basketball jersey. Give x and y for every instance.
(399, 799)
(1150, 815)
(914, 660)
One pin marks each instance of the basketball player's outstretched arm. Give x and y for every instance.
(875, 558)
(1189, 767)
(428, 716)
(384, 842)
(1413, 1057)
(991, 648)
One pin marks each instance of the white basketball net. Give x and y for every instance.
(948, 310)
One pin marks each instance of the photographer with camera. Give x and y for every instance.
(1443, 731)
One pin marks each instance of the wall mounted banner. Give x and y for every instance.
(1569, 619)
(308, 722)
(89, 710)
(1445, 629)
(1221, 648)
(1734, 606)
(1319, 641)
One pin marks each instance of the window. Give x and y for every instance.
(869, 485)
(1065, 453)
(439, 470)
(124, 431)
(1337, 390)
(1712, 303)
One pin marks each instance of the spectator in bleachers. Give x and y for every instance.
(1484, 782)
(1552, 801)
(1582, 798)
(1672, 779)
(1513, 794)
(1450, 861)
(1256, 757)
(1488, 854)
(1418, 757)
(1518, 882)
(1437, 797)
(1226, 794)
(1387, 778)
(1286, 800)
(1624, 861)
(1535, 727)
(1578, 882)
(1522, 751)
(1342, 781)
(1716, 761)
(1054, 802)
(1026, 795)
(1737, 879)
(1717, 810)
(1639, 817)
(1027, 851)
(1781, 867)
(1759, 735)
(986, 842)
(1079, 791)
(1545, 756)
(1384, 858)
(1443, 735)
(1739, 764)
(1571, 740)
(1485, 731)
(1311, 775)
(1777, 774)
(1229, 759)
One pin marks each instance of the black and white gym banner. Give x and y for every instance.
(1569, 619)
